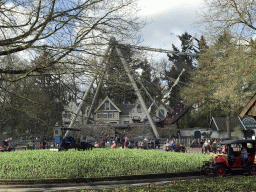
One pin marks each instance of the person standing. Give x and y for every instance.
(103, 142)
(214, 146)
(118, 141)
(167, 145)
(172, 145)
(78, 140)
(126, 141)
(205, 147)
(253, 137)
(125, 145)
(44, 143)
(40, 146)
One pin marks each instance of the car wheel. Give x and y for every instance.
(252, 169)
(220, 171)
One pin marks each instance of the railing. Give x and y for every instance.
(23, 144)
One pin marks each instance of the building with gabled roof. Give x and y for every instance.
(218, 127)
(109, 112)
(248, 113)
(68, 113)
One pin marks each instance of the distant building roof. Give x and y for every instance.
(249, 123)
(111, 102)
(125, 108)
(219, 123)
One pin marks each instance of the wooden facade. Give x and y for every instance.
(250, 108)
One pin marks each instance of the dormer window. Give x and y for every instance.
(139, 109)
(108, 110)
(107, 105)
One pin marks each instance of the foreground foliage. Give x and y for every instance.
(96, 163)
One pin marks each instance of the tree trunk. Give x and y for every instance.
(228, 126)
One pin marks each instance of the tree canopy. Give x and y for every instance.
(223, 77)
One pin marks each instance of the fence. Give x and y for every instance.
(23, 144)
(188, 141)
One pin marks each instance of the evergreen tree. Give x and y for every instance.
(218, 84)
(178, 63)
(117, 85)
(154, 87)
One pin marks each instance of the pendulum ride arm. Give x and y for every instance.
(94, 98)
(137, 91)
(74, 116)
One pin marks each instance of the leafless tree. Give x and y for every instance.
(73, 33)
(236, 16)
(68, 29)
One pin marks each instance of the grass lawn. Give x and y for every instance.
(39, 164)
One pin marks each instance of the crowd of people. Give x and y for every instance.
(171, 145)
(126, 142)
(114, 143)
(6, 147)
(45, 145)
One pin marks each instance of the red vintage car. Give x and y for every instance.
(224, 163)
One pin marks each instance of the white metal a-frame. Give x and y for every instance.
(114, 45)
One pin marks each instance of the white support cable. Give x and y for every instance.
(74, 116)
(159, 70)
(160, 50)
(149, 110)
(175, 83)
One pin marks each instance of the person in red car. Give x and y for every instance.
(244, 156)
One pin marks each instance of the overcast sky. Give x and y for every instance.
(167, 19)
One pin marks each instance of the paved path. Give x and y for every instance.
(91, 186)
(194, 150)
(189, 150)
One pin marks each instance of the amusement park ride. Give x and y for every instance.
(113, 44)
